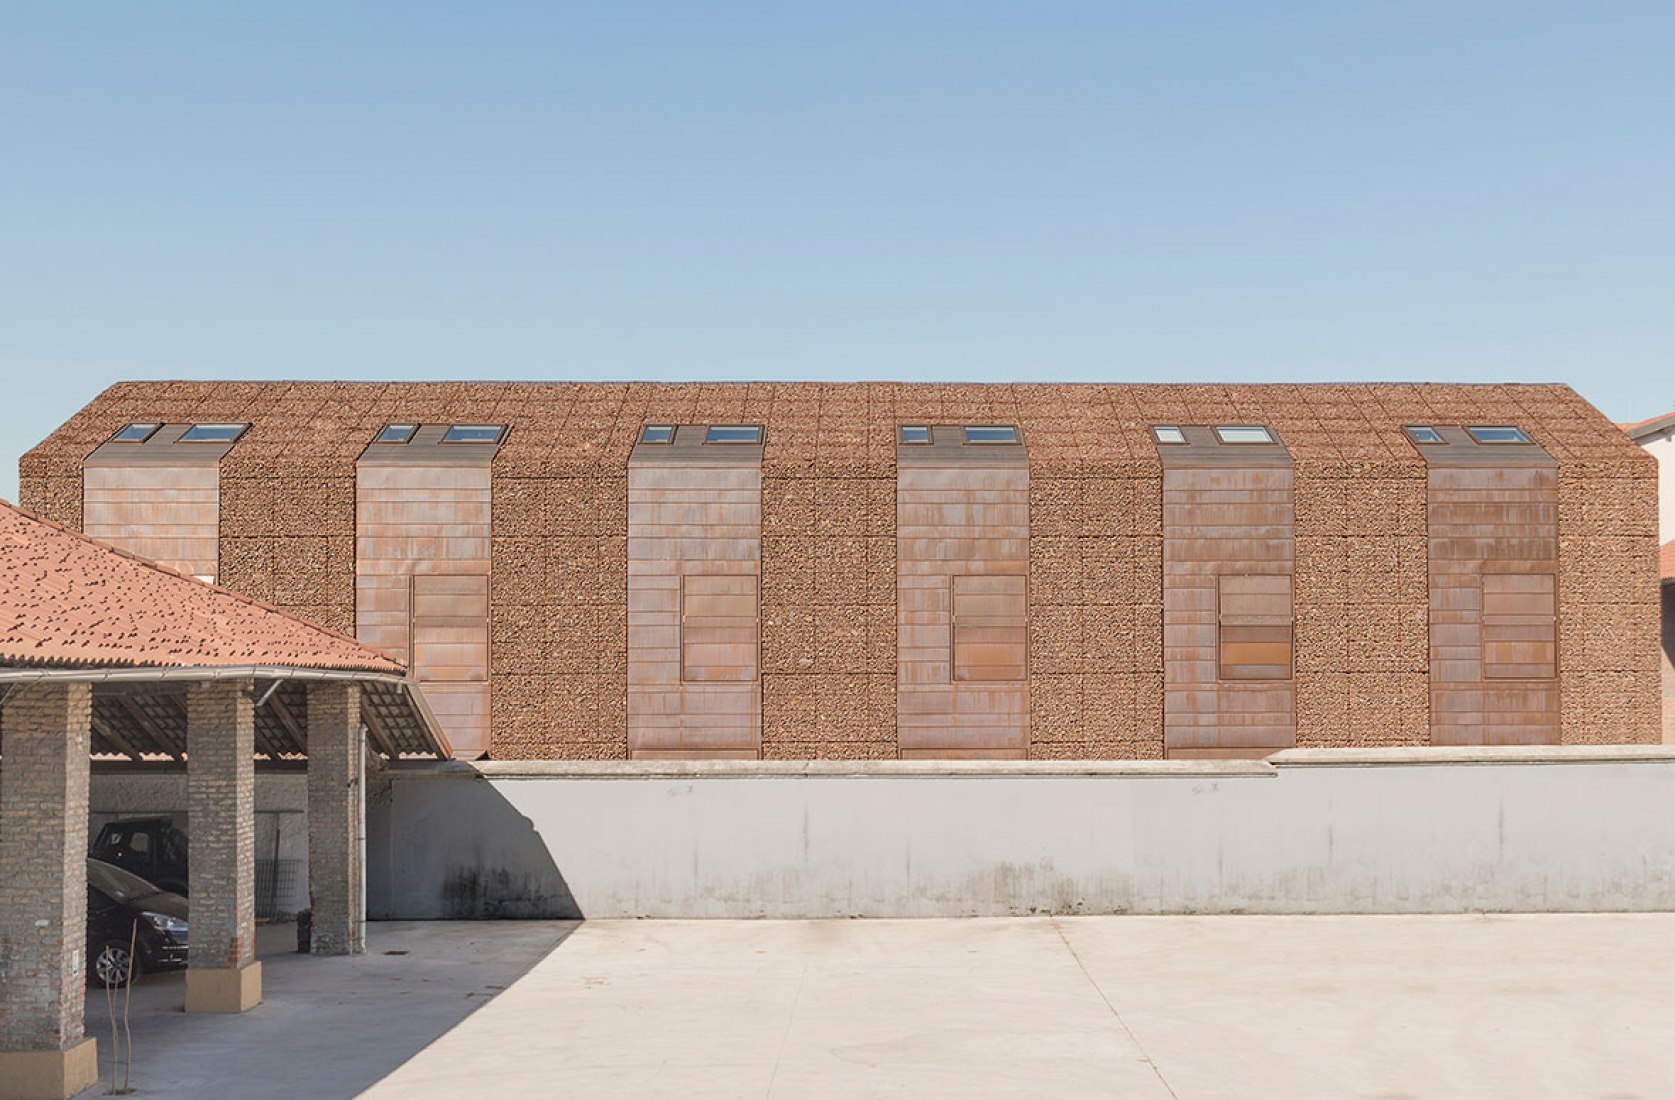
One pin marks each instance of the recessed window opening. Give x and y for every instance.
(1002, 434)
(734, 433)
(135, 433)
(657, 433)
(474, 433)
(1168, 433)
(1243, 433)
(1496, 433)
(1420, 433)
(213, 433)
(913, 434)
(396, 433)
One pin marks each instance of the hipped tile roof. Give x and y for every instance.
(67, 600)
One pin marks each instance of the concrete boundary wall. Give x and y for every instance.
(1306, 831)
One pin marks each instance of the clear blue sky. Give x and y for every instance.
(971, 190)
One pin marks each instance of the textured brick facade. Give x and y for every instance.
(559, 619)
(221, 805)
(336, 767)
(43, 849)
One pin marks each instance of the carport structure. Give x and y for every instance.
(103, 653)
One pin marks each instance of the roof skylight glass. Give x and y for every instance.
(1243, 433)
(913, 433)
(1168, 433)
(1497, 433)
(212, 433)
(734, 433)
(474, 433)
(657, 433)
(396, 433)
(1421, 433)
(991, 433)
(135, 433)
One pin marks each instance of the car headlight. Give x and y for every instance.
(165, 923)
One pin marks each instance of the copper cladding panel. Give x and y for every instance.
(1228, 553)
(962, 546)
(694, 580)
(169, 514)
(422, 585)
(1493, 624)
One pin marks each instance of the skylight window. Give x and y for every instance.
(396, 433)
(212, 433)
(474, 433)
(1420, 433)
(1168, 433)
(135, 433)
(734, 433)
(1497, 433)
(991, 433)
(913, 434)
(1243, 433)
(657, 433)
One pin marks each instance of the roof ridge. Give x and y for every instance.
(216, 588)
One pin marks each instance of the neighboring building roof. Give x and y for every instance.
(68, 601)
(1643, 428)
(1666, 562)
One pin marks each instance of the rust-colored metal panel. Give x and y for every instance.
(167, 513)
(694, 581)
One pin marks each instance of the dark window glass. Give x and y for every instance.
(396, 433)
(474, 433)
(1421, 434)
(657, 433)
(135, 433)
(913, 433)
(734, 433)
(1497, 434)
(991, 433)
(212, 433)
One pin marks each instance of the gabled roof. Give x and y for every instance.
(1640, 429)
(68, 601)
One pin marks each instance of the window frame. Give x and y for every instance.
(711, 429)
(642, 439)
(902, 441)
(151, 429)
(1523, 439)
(220, 428)
(1268, 438)
(1157, 431)
(1017, 439)
(499, 435)
(412, 430)
(1412, 430)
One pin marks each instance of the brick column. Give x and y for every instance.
(223, 974)
(336, 773)
(43, 892)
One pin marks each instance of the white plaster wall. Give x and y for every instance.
(1399, 831)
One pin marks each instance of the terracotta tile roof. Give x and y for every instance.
(1649, 425)
(1666, 561)
(67, 600)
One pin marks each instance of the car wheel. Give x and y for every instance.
(109, 966)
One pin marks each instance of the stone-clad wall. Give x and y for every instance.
(559, 630)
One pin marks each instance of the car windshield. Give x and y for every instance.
(117, 884)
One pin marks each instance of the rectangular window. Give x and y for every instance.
(991, 433)
(1244, 433)
(449, 628)
(913, 434)
(474, 433)
(1168, 433)
(657, 433)
(718, 629)
(1496, 433)
(1520, 626)
(1254, 617)
(135, 433)
(396, 433)
(990, 628)
(212, 433)
(734, 433)
(1419, 433)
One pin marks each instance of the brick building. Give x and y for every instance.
(881, 570)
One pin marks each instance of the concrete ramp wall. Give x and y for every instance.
(1307, 831)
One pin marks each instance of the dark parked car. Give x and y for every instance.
(150, 847)
(123, 909)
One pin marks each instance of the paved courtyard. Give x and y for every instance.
(1386, 1007)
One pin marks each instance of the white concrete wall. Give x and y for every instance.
(1315, 831)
